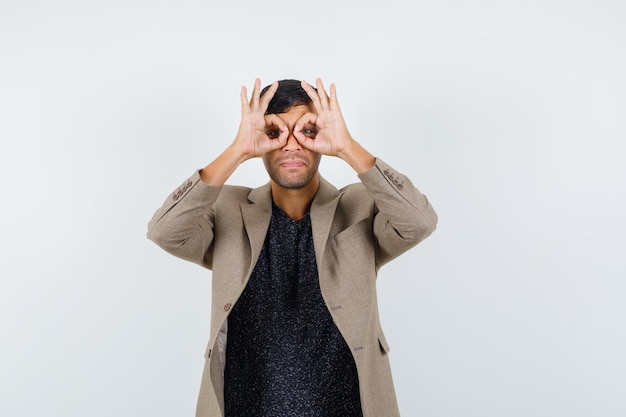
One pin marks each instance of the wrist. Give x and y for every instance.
(357, 156)
(239, 153)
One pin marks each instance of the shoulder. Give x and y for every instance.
(235, 192)
(355, 202)
(355, 192)
(232, 195)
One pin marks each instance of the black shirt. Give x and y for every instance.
(284, 355)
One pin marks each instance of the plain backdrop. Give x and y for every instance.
(509, 115)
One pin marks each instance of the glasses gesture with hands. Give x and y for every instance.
(329, 136)
(321, 130)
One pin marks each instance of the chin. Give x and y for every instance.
(292, 183)
(293, 180)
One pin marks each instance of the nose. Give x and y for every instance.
(292, 143)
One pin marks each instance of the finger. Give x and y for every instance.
(274, 120)
(256, 92)
(313, 95)
(278, 143)
(304, 141)
(267, 96)
(243, 94)
(334, 104)
(305, 130)
(282, 139)
(267, 145)
(306, 118)
(272, 123)
(322, 93)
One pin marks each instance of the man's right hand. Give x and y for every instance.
(253, 138)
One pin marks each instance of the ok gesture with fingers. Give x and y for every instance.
(252, 138)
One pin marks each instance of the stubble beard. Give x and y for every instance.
(294, 181)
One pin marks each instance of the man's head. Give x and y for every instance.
(292, 166)
(289, 94)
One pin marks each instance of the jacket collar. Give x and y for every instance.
(257, 214)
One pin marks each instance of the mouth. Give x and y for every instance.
(292, 163)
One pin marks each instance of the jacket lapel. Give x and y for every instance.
(256, 219)
(257, 215)
(322, 214)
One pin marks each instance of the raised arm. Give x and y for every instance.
(184, 224)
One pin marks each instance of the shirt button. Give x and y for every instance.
(227, 306)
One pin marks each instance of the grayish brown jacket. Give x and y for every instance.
(356, 230)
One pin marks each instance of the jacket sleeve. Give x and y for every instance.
(183, 226)
(404, 216)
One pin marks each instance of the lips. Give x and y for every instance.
(292, 163)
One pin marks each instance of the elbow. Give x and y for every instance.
(166, 239)
(428, 220)
(423, 225)
(154, 234)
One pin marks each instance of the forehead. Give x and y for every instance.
(295, 112)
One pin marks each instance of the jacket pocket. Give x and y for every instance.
(384, 346)
(362, 227)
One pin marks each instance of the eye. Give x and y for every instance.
(308, 132)
(273, 133)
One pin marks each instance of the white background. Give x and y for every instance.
(509, 115)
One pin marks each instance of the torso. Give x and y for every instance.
(285, 357)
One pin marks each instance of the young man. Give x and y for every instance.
(295, 330)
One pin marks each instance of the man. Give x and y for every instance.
(295, 330)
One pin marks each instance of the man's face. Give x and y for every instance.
(292, 166)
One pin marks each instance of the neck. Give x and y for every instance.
(295, 202)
